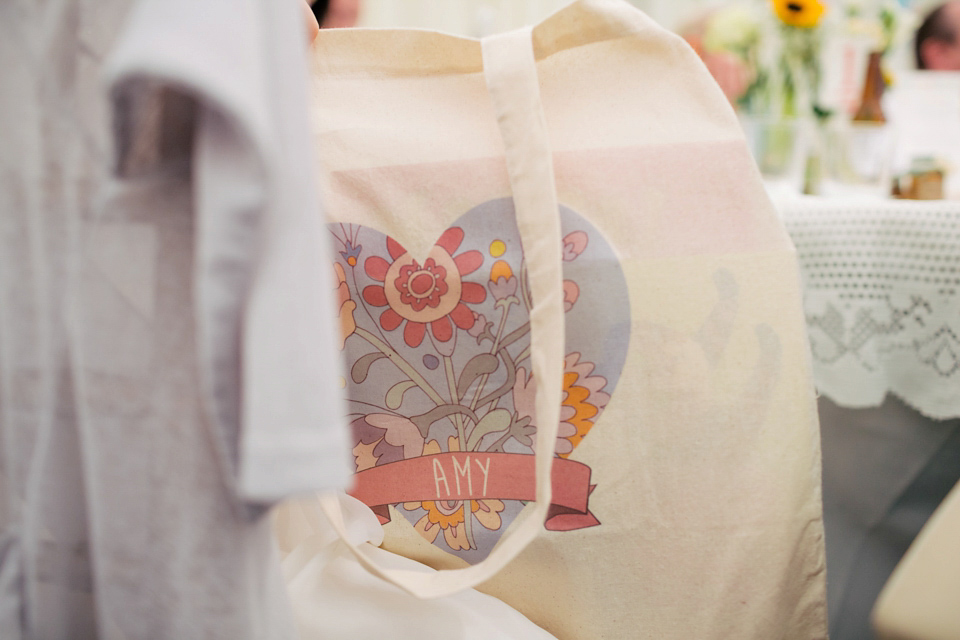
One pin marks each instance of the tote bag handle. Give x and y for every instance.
(511, 76)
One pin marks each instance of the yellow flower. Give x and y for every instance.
(805, 14)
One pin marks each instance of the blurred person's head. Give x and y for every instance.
(332, 14)
(937, 44)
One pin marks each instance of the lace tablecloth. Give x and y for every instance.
(882, 299)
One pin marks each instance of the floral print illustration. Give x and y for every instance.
(432, 294)
(582, 402)
(437, 349)
(447, 516)
(345, 306)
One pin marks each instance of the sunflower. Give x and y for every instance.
(804, 14)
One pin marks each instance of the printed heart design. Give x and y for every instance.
(440, 392)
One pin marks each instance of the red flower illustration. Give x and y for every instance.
(432, 293)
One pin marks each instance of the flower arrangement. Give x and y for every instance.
(780, 42)
(438, 351)
(885, 23)
(781, 46)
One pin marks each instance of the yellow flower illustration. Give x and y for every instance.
(804, 14)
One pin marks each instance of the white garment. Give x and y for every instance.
(335, 597)
(264, 326)
(132, 476)
(54, 143)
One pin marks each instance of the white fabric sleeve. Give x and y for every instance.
(269, 367)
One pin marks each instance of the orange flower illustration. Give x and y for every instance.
(583, 401)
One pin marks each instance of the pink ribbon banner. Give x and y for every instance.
(477, 476)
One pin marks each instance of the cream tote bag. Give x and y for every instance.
(573, 345)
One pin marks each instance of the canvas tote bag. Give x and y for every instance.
(573, 345)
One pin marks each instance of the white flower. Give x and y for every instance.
(733, 28)
(868, 29)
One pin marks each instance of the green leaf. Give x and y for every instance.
(484, 363)
(361, 367)
(496, 420)
(395, 395)
(424, 421)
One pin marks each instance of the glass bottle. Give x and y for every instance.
(870, 109)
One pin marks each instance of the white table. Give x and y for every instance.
(882, 302)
